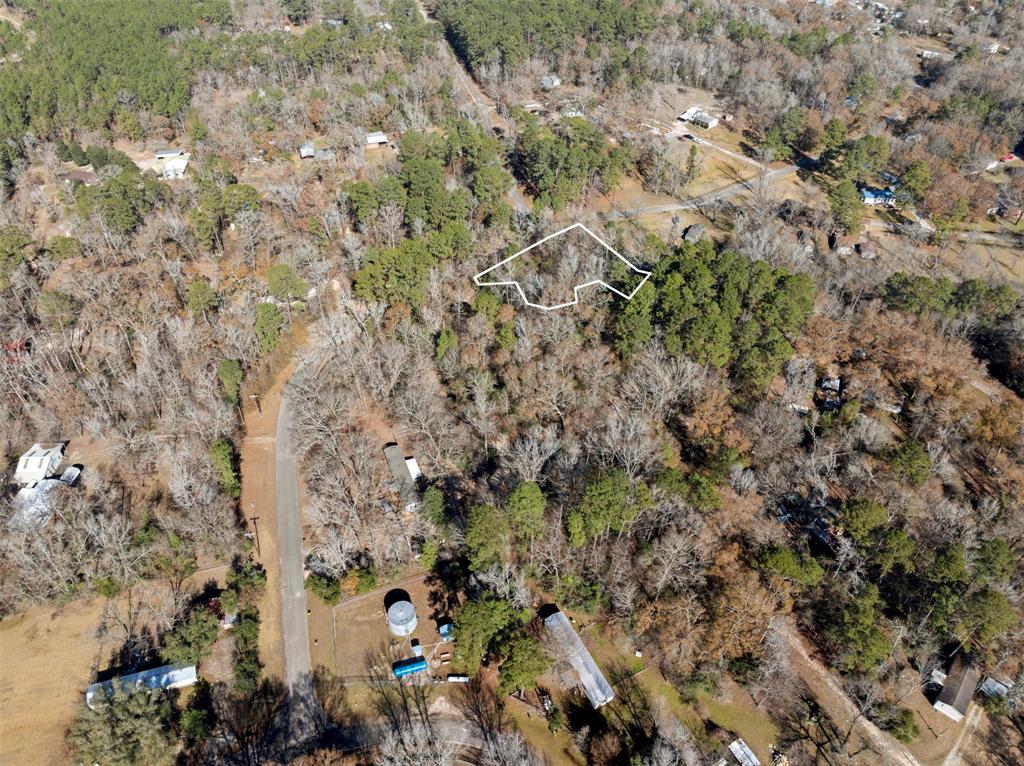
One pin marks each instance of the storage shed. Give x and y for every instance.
(406, 473)
(407, 667)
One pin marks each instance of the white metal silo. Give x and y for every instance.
(402, 618)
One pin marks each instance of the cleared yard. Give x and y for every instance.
(351, 637)
(46, 661)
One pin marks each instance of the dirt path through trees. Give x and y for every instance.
(834, 700)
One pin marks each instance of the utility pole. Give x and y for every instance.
(256, 529)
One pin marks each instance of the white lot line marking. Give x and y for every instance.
(577, 288)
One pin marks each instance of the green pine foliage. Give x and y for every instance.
(479, 627)
(559, 164)
(846, 205)
(783, 562)
(523, 663)
(129, 728)
(57, 309)
(526, 507)
(910, 462)
(124, 61)
(229, 372)
(634, 328)
(191, 640)
(246, 633)
(855, 628)
(14, 244)
(202, 298)
(942, 297)
(285, 284)
(496, 32)
(726, 311)
(487, 535)
(609, 504)
(222, 455)
(860, 518)
(268, 326)
(326, 587)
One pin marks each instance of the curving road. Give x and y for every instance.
(478, 99)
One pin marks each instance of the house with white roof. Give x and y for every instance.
(163, 677)
(38, 463)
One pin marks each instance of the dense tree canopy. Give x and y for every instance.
(727, 311)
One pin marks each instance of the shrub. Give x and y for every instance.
(222, 455)
(327, 588)
(192, 639)
(902, 725)
(910, 462)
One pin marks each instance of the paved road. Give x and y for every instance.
(304, 708)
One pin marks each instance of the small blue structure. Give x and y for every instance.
(445, 629)
(877, 197)
(407, 667)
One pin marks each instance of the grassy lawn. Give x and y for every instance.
(746, 721)
(558, 748)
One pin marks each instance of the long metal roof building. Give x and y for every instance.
(164, 677)
(595, 685)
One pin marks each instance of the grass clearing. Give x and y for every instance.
(47, 661)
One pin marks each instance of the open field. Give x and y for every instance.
(47, 658)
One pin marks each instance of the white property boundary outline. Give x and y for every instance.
(577, 288)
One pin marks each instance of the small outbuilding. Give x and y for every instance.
(877, 197)
(376, 139)
(694, 233)
(85, 177)
(173, 166)
(743, 754)
(957, 690)
(406, 473)
(550, 81)
(704, 120)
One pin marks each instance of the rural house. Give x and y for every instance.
(957, 690)
(550, 81)
(376, 139)
(40, 462)
(163, 677)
